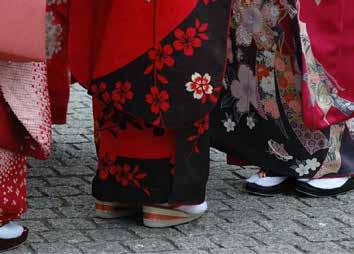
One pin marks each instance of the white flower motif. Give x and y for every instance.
(312, 164)
(250, 122)
(200, 85)
(302, 170)
(267, 85)
(229, 125)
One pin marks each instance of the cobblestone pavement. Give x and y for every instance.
(61, 213)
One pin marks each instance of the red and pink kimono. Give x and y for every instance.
(28, 107)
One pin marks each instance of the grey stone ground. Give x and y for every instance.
(61, 212)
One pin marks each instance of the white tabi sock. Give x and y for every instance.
(328, 183)
(11, 230)
(268, 181)
(192, 209)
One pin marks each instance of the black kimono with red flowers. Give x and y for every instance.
(154, 70)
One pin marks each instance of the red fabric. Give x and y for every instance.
(12, 166)
(13, 172)
(330, 26)
(58, 70)
(133, 33)
(132, 142)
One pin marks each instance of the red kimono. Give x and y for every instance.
(327, 38)
(154, 70)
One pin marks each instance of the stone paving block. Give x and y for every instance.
(178, 252)
(67, 236)
(194, 243)
(246, 227)
(35, 225)
(59, 191)
(321, 223)
(115, 234)
(76, 171)
(197, 228)
(43, 172)
(65, 181)
(216, 195)
(145, 232)
(234, 240)
(125, 222)
(55, 248)
(149, 245)
(217, 206)
(279, 237)
(34, 192)
(78, 211)
(322, 202)
(277, 249)
(102, 248)
(329, 212)
(45, 202)
(80, 200)
(283, 202)
(50, 163)
(323, 248)
(233, 251)
(242, 201)
(235, 216)
(73, 139)
(347, 245)
(72, 224)
(34, 237)
(286, 213)
(20, 250)
(283, 225)
(37, 182)
(39, 214)
(324, 235)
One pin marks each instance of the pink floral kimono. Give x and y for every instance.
(327, 38)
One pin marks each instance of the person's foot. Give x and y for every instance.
(262, 185)
(164, 215)
(12, 235)
(325, 187)
(113, 210)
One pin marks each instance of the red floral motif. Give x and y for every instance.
(202, 125)
(121, 94)
(124, 174)
(161, 56)
(158, 100)
(191, 38)
(101, 90)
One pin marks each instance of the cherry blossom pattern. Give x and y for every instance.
(121, 94)
(190, 39)
(201, 88)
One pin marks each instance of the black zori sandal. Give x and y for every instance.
(312, 191)
(286, 186)
(12, 243)
(268, 187)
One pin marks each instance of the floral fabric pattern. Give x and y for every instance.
(260, 107)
